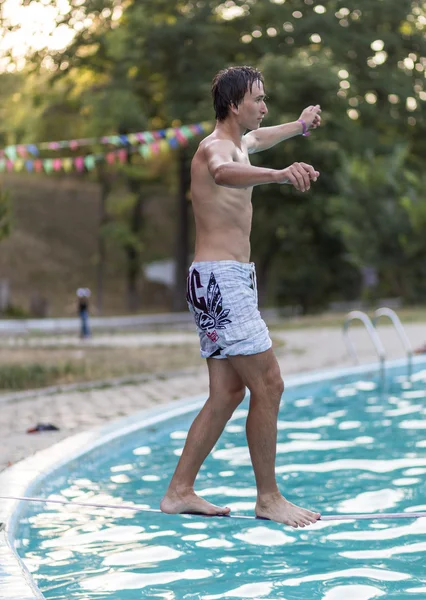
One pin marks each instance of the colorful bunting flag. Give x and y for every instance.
(147, 144)
(181, 134)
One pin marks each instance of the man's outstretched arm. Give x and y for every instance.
(266, 137)
(228, 173)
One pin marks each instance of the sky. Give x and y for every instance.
(37, 29)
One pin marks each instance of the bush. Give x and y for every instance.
(13, 311)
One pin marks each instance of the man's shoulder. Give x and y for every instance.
(214, 142)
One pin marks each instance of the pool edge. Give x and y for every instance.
(19, 479)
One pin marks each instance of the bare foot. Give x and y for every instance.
(188, 502)
(276, 508)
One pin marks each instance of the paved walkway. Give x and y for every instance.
(133, 340)
(72, 412)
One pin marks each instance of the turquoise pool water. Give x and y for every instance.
(345, 446)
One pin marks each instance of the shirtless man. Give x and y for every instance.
(222, 293)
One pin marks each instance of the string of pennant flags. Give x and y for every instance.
(26, 157)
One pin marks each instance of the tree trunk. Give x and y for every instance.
(132, 251)
(101, 258)
(263, 268)
(182, 233)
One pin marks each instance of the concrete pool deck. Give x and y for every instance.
(78, 412)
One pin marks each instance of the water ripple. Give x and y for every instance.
(118, 581)
(263, 536)
(378, 574)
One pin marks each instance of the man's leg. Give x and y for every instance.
(261, 374)
(226, 393)
(81, 325)
(85, 318)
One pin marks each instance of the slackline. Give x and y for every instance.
(343, 517)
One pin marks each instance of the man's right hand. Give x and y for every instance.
(299, 175)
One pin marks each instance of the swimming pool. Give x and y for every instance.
(347, 444)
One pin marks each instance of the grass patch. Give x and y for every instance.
(23, 368)
(30, 368)
(35, 375)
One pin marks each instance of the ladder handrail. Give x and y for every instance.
(365, 319)
(396, 321)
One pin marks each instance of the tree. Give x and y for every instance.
(5, 214)
(134, 64)
(164, 35)
(365, 67)
(381, 215)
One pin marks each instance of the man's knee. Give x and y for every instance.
(279, 386)
(234, 397)
(273, 382)
(237, 395)
(275, 390)
(227, 400)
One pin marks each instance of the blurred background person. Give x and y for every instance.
(83, 295)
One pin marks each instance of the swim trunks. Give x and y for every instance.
(222, 295)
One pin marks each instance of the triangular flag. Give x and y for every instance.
(48, 165)
(32, 149)
(148, 137)
(180, 137)
(67, 164)
(186, 131)
(89, 162)
(114, 139)
(57, 164)
(145, 151)
(79, 163)
(164, 146)
(122, 155)
(173, 142)
(10, 152)
(19, 164)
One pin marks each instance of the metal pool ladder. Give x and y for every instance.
(371, 326)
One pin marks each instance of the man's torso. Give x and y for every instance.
(222, 214)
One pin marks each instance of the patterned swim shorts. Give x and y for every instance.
(222, 295)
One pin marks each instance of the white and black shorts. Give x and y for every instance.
(222, 295)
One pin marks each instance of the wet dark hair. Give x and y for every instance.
(229, 87)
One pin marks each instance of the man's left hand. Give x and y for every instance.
(311, 116)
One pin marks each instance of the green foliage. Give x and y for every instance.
(152, 68)
(119, 232)
(14, 311)
(381, 214)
